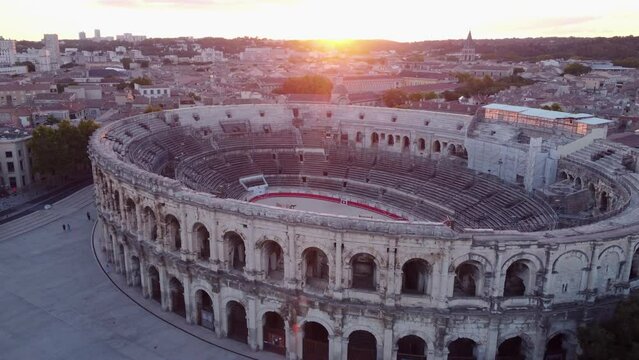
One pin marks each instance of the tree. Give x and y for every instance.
(613, 339)
(126, 63)
(152, 108)
(394, 98)
(576, 69)
(308, 84)
(553, 107)
(141, 81)
(62, 151)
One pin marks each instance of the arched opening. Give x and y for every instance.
(415, 277)
(422, 144)
(556, 348)
(177, 297)
(359, 137)
(563, 175)
(603, 201)
(405, 143)
(390, 140)
(204, 310)
(316, 268)
(315, 343)
(462, 349)
(634, 267)
(273, 260)
(363, 266)
(374, 139)
(451, 149)
(135, 271)
(131, 216)
(150, 224)
(154, 283)
(237, 327)
(362, 346)
(437, 146)
(578, 183)
(273, 333)
(173, 232)
(517, 279)
(511, 349)
(467, 276)
(411, 347)
(121, 259)
(236, 250)
(202, 241)
(593, 194)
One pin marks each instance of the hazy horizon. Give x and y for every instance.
(400, 20)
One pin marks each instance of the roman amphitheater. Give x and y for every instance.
(344, 232)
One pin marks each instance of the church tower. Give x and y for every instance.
(468, 51)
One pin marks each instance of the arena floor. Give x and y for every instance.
(323, 204)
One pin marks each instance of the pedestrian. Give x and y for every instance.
(64, 227)
(69, 227)
(88, 216)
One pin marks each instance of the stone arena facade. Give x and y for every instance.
(320, 286)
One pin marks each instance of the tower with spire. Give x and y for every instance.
(468, 51)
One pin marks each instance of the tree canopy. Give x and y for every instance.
(308, 84)
(61, 151)
(576, 69)
(614, 339)
(394, 98)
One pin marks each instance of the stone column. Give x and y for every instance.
(335, 347)
(189, 300)
(491, 345)
(250, 252)
(344, 343)
(252, 322)
(213, 242)
(291, 353)
(165, 291)
(143, 278)
(390, 350)
(291, 277)
(218, 315)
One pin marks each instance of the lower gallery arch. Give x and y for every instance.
(155, 291)
(177, 297)
(411, 347)
(135, 271)
(204, 310)
(513, 348)
(274, 333)
(556, 348)
(315, 342)
(361, 346)
(462, 349)
(237, 326)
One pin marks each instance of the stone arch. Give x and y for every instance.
(315, 268)
(273, 332)
(272, 256)
(634, 264)
(155, 289)
(405, 143)
(135, 274)
(359, 137)
(559, 345)
(563, 175)
(390, 140)
(236, 250)
(364, 271)
(578, 183)
(462, 348)
(374, 139)
(204, 313)
(421, 144)
(150, 224)
(487, 266)
(519, 279)
(604, 201)
(315, 341)
(325, 322)
(379, 338)
(236, 325)
(411, 347)
(533, 259)
(515, 347)
(568, 272)
(131, 215)
(450, 149)
(362, 345)
(202, 241)
(609, 268)
(176, 292)
(173, 232)
(468, 280)
(416, 276)
(437, 146)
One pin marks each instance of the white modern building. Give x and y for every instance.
(7, 52)
(52, 44)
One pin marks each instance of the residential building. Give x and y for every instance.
(15, 159)
(82, 35)
(7, 52)
(15, 94)
(153, 91)
(52, 44)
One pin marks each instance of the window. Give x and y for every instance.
(12, 182)
(21, 166)
(11, 167)
(8, 154)
(19, 153)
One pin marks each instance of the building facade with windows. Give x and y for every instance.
(15, 159)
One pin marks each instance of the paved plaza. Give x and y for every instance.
(58, 303)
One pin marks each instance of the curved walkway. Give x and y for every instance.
(57, 303)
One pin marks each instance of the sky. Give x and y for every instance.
(401, 20)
